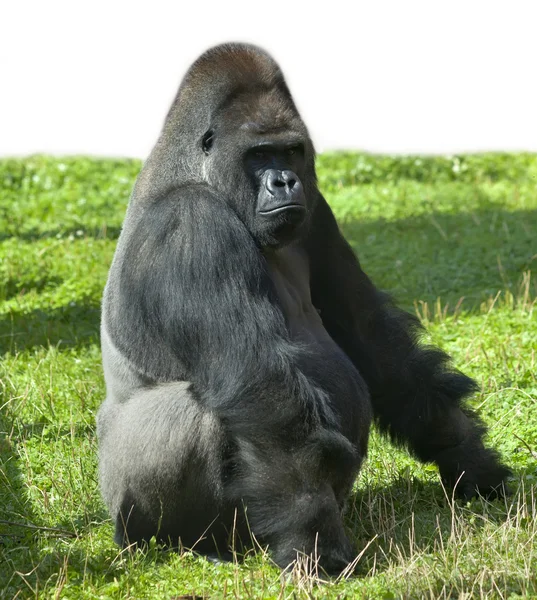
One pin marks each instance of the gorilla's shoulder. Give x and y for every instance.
(190, 216)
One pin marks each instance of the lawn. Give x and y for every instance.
(453, 238)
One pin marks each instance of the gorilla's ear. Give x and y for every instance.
(207, 141)
(329, 452)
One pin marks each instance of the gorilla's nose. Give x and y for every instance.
(281, 191)
(278, 182)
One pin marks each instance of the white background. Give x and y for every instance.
(97, 77)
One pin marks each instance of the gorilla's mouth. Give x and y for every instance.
(294, 206)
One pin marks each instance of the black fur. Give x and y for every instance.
(231, 404)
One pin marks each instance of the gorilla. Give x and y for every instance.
(245, 351)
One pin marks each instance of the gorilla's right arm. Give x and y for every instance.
(193, 301)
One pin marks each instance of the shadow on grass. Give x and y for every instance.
(412, 527)
(13, 287)
(73, 325)
(33, 556)
(466, 255)
(413, 515)
(36, 233)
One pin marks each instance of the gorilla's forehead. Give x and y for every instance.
(263, 113)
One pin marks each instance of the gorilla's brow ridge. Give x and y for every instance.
(263, 128)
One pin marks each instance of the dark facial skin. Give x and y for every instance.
(281, 203)
(272, 169)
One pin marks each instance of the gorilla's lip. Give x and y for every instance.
(283, 208)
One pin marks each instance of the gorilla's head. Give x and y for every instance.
(234, 126)
(255, 153)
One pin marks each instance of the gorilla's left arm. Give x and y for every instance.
(417, 396)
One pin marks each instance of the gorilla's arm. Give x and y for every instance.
(417, 396)
(196, 286)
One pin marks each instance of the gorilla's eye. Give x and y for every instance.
(292, 150)
(207, 141)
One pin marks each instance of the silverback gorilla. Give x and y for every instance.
(245, 351)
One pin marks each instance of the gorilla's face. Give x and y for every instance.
(276, 170)
(259, 162)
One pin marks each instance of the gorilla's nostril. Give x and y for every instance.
(275, 181)
(289, 178)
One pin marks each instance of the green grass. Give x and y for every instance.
(454, 239)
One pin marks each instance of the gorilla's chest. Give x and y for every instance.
(289, 271)
(325, 362)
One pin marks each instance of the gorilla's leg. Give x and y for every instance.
(162, 469)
